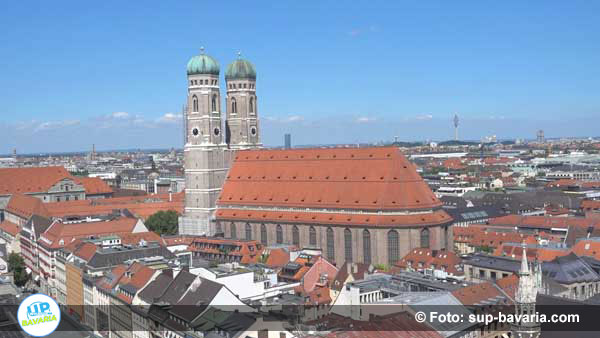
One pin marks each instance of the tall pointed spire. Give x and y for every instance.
(524, 266)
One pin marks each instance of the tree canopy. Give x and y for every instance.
(16, 265)
(163, 222)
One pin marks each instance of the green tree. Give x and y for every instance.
(16, 265)
(163, 222)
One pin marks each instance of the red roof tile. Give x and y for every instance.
(94, 185)
(421, 258)
(140, 207)
(10, 227)
(277, 258)
(24, 206)
(68, 233)
(433, 218)
(30, 180)
(349, 178)
(478, 294)
(509, 285)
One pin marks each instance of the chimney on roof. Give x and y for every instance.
(354, 268)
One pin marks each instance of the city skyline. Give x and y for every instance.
(116, 78)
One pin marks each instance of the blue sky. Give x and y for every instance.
(113, 72)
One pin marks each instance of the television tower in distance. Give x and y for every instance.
(455, 127)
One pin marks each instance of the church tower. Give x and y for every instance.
(525, 298)
(206, 159)
(242, 130)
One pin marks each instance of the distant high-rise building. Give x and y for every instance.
(15, 153)
(288, 141)
(455, 127)
(540, 136)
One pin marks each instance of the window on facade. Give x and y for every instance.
(425, 238)
(446, 237)
(214, 103)
(296, 236)
(312, 236)
(248, 231)
(366, 247)
(194, 104)
(348, 245)
(393, 247)
(233, 106)
(251, 105)
(263, 234)
(279, 234)
(218, 229)
(330, 245)
(233, 230)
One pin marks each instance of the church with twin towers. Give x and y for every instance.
(211, 138)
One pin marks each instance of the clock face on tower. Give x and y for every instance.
(195, 131)
(216, 131)
(253, 131)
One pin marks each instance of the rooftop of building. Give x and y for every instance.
(328, 185)
(30, 179)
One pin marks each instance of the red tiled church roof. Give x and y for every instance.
(342, 178)
(436, 217)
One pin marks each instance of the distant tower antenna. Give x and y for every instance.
(455, 127)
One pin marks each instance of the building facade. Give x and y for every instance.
(211, 142)
(366, 205)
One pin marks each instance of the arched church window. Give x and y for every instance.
(248, 231)
(251, 105)
(330, 245)
(425, 238)
(312, 236)
(214, 103)
(279, 233)
(263, 234)
(393, 247)
(233, 106)
(194, 104)
(296, 236)
(366, 246)
(446, 237)
(233, 230)
(348, 245)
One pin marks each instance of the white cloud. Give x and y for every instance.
(294, 118)
(170, 117)
(119, 115)
(365, 119)
(286, 119)
(52, 125)
(424, 117)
